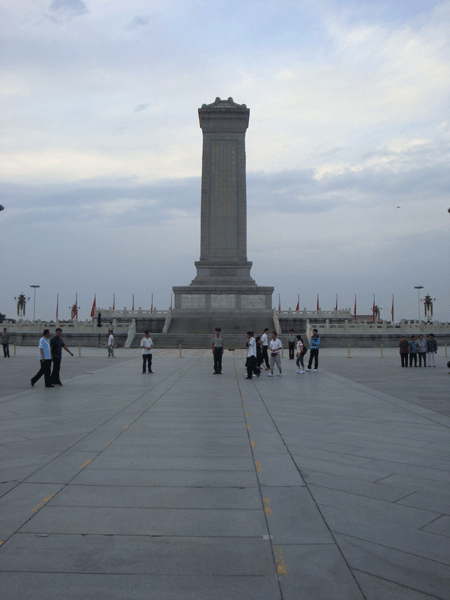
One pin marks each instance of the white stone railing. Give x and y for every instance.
(108, 313)
(89, 326)
(402, 328)
(314, 314)
(131, 334)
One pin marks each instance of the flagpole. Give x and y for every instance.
(392, 310)
(57, 303)
(355, 309)
(132, 303)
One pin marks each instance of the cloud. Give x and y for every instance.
(66, 9)
(141, 107)
(138, 21)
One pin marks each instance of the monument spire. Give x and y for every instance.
(223, 283)
(223, 245)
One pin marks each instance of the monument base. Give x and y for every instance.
(222, 298)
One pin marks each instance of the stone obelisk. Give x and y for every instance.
(223, 280)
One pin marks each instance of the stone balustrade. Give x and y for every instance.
(403, 328)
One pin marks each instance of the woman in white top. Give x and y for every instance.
(301, 351)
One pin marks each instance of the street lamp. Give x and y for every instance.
(418, 288)
(34, 305)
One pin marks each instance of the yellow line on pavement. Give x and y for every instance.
(279, 561)
(110, 441)
(126, 426)
(86, 463)
(248, 427)
(258, 465)
(267, 507)
(252, 442)
(41, 503)
(246, 414)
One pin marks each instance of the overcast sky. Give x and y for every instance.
(101, 148)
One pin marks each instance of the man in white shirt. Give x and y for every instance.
(111, 345)
(265, 346)
(251, 356)
(275, 353)
(147, 345)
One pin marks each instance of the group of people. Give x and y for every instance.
(50, 355)
(258, 350)
(418, 351)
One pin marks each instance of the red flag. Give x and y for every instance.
(57, 303)
(297, 308)
(317, 302)
(336, 302)
(132, 304)
(279, 302)
(151, 309)
(355, 308)
(114, 302)
(392, 309)
(93, 307)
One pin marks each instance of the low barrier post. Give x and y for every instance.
(381, 351)
(348, 355)
(79, 350)
(180, 352)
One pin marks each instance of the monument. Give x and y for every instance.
(223, 285)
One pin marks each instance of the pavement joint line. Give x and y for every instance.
(279, 561)
(396, 582)
(258, 466)
(42, 503)
(269, 536)
(67, 483)
(415, 409)
(309, 491)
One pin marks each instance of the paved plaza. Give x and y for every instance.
(184, 485)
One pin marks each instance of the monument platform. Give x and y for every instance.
(183, 485)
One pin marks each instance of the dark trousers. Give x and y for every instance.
(404, 357)
(6, 351)
(55, 371)
(251, 366)
(218, 360)
(265, 355)
(413, 357)
(422, 356)
(313, 354)
(147, 361)
(45, 369)
(291, 350)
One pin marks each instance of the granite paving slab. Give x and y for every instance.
(198, 487)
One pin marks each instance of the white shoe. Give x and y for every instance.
(270, 375)
(307, 369)
(302, 372)
(298, 371)
(315, 370)
(278, 374)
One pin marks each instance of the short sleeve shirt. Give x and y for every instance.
(56, 345)
(146, 345)
(275, 346)
(217, 341)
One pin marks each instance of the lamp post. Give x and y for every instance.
(418, 288)
(34, 305)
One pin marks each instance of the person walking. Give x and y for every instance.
(301, 351)
(147, 352)
(265, 349)
(314, 344)
(56, 346)
(291, 344)
(45, 356)
(251, 356)
(111, 345)
(404, 350)
(5, 343)
(259, 353)
(422, 351)
(413, 351)
(431, 350)
(217, 351)
(275, 354)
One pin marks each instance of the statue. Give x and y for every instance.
(74, 311)
(376, 312)
(428, 305)
(99, 319)
(21, 304)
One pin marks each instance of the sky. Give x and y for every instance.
(347, 148)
